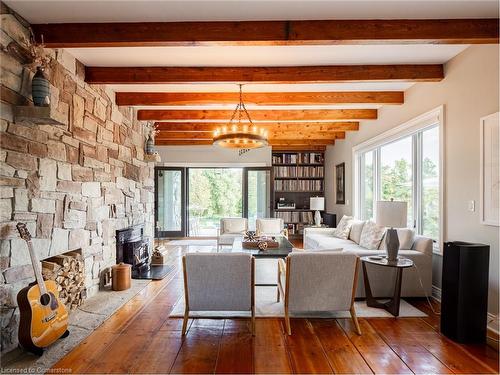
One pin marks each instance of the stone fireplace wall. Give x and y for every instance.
(74, 185)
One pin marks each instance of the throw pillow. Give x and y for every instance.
(343, 227)
(371, 235)
(234, 226)
(356, 229)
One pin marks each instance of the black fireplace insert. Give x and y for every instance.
(133, 248)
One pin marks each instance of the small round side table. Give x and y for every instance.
(400, 264)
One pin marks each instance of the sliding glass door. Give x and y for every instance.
(213, 193)
(258, 194)
(170, 202)
(191, 201)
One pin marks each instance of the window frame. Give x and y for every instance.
(414, 129)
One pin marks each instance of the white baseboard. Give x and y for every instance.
(436, 293)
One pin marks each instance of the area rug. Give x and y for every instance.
(267, 307)
(192, 243)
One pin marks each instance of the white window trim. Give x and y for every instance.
(419, 123)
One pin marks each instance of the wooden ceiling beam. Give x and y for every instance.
(310, 32)
(273, 136)
(165, 127)
(262, 98)
(280, 143)
(300, 147)
(283, 74)
(259, 115)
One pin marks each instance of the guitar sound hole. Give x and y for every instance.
(45, 299)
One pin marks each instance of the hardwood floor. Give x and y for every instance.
(141, 338)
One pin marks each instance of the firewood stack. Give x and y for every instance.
(68, 272)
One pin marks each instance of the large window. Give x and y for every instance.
(403, 165)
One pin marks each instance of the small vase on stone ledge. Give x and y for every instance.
(40, 89)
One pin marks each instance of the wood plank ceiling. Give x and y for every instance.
(294, 120)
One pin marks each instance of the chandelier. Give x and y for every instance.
(240, 135)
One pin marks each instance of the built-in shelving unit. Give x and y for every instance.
(297, 176)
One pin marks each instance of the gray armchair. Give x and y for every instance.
(331, 287)
(218, 282)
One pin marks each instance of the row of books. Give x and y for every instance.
(295, 217)
(299, 158)
(298, 171)
(298, 185)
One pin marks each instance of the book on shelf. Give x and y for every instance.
(298, 158)
(291, 217)
(298, 185)
(297, 171)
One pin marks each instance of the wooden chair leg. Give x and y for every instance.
(185, 322)
(253, 321)
(287, 322)
(355, 320)
(278, 285)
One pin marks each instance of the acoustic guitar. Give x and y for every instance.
(44, 319)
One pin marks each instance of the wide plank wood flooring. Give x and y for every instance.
(141, 338)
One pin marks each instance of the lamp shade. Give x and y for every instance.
(391, 214)
(317, 203)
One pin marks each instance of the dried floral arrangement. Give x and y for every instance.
(152, 129)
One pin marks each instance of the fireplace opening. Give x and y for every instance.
(133, 248)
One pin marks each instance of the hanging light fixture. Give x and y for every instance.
(240, 135)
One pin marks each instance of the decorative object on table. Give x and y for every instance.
(256, 242)
(391, 214)
(121, 278)
(317, 204)
(489, 169)
(464, 291)
(401, 263)
(262, 245)
(238, 134)
(43, 317)
(40, 86)
(250, 234)
(340, 183)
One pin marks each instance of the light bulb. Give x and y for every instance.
(234, 128)
(224, 129)
(254, 129)
(245, 128)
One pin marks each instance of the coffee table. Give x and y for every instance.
(400, 264)
(284, 248)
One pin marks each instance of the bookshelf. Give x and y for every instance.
(297, 176)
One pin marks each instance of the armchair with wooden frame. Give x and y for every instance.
(330, 287)
(219, 282)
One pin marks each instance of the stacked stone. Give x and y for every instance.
(75, 184)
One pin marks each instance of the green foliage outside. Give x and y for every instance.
(214, 193)
(397, 182)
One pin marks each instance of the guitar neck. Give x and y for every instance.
(36, 268)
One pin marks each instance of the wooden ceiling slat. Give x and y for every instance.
(259, 115)
(272, 135)
(165, 127)
(326, 32)
(262, 98)
(286, 74)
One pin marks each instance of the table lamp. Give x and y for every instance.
(391, 214)
(317, 204)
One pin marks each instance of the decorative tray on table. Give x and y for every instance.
(259, 242)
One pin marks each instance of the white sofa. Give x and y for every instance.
(382, 279)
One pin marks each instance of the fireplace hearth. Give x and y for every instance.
(133, 248)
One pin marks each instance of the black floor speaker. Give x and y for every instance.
(464, 294)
